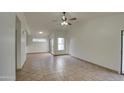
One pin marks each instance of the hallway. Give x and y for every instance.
(46, 67)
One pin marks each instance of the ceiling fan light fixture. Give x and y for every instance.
(64, 18)
(64, 23)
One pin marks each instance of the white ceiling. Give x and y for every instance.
(47, 22)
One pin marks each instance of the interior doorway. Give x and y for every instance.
(122, 52)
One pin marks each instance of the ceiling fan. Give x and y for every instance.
(65, 20)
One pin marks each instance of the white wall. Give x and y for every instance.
(7, 46)
(23, 20)
(18, 43)
(52, 43)
(98, 41)
(34, 47)
(22, 30)
(23, 47)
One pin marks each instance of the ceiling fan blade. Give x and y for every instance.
(63, 18)
(69, 24)
(73, 18)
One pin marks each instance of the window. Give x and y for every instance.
(61, 44)
(40, 40)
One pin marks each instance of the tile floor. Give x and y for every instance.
(45, 67)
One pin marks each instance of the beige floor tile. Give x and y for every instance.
(46, 67)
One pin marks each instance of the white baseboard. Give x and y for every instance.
(95, 63)
(37, 52)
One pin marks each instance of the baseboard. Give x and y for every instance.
(37, 52)
(51, 53)
(94, 64)
(60, 54)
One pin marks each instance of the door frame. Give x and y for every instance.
(121, 72)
